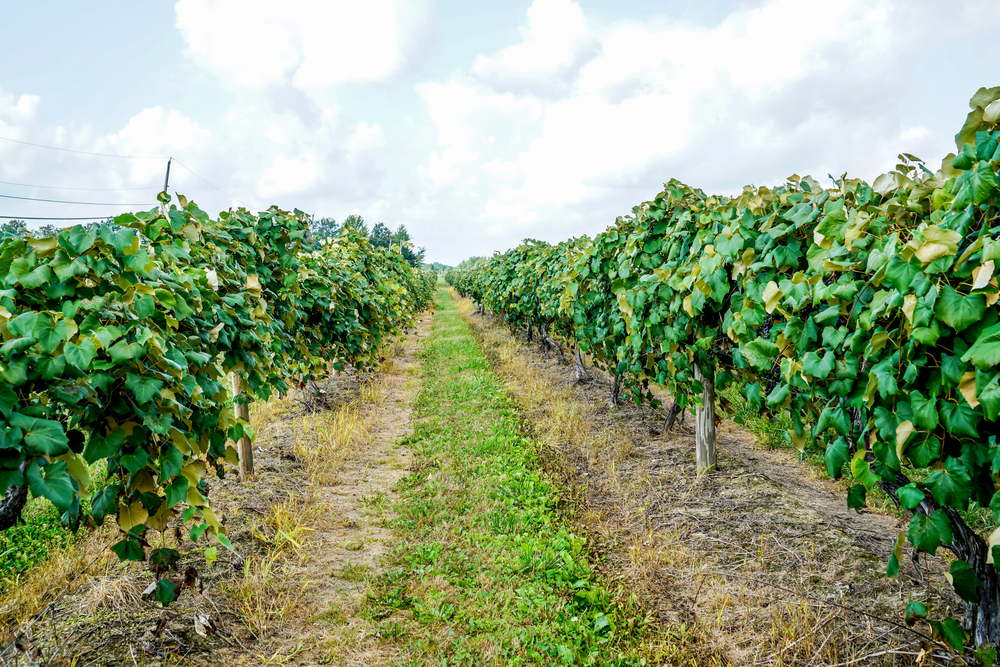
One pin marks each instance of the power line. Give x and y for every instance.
(60, 187)
(63, 201)
(209, 184)
(70, 150)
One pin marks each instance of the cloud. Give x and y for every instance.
(557, 41)
(617, 109)
(310, 45)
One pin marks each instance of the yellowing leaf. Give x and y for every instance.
(194, 472)
(772, 295)
(903, 433)
(79, 469)
(160, 520)
(131, 516)
(981, 275)
(991, 114)
(210, 518)
(937, 243)
(253, 284)
(213, 279)
(967, 387)
(686, 304)
(994, 540)
(870, 390)
(213, 334)
(44, 246)
(798, 440)
(190, 232)
(194, 498)
(909, 304)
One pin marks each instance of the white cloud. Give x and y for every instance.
(366, 137)
(312, 45)
(616, 110)
(288, 175)
(556, 42)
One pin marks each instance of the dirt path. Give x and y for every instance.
(347, 549)
(760, 560)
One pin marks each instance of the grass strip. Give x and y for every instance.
(485, 571)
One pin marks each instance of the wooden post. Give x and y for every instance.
(244, 447)
(704, 433)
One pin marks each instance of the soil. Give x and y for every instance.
(314, 590)
(763, 531)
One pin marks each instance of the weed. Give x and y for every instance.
(266, 595)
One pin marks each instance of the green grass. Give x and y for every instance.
(24, 545)
(39, 536)
(486, 572)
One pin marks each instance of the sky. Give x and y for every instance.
(478, 124)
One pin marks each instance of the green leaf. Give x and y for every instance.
(103, 446)
(761, 354)
(52, 481)
(49, 333)
(45, 436)
(985, 352)
(77, 239)
(959, 419)
(22, 325)
(166, 591)
(837, 455)
(983, 182)
(129, 549)
(103, 501)
(927, 533)
(862, 471)
(910, 496)
(816, 367)
(856, 497)
(121, 351)
(835, 417)
(989, 397)
(964, 581)
(171, 462)
(901, 273)
(923, 452)
(80, 355)
(951, 631)
(177, 491)
(959, 311)
(37, 278)
(950, 485)
(145, 389)
(915, 611)
(925, 416)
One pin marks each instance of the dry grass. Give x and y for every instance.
(323, 440)
(117, 594)
(682, 573)
(267, 596)
(40, 585)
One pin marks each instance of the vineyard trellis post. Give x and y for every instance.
(244, 446)
(704, 433)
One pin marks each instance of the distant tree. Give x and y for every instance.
(324, 228)
(14, 228)
(381, 236)
(357, 223)
(470, 263)
(47, 230)
(438, 266)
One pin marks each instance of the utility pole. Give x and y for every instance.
(166, 181)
